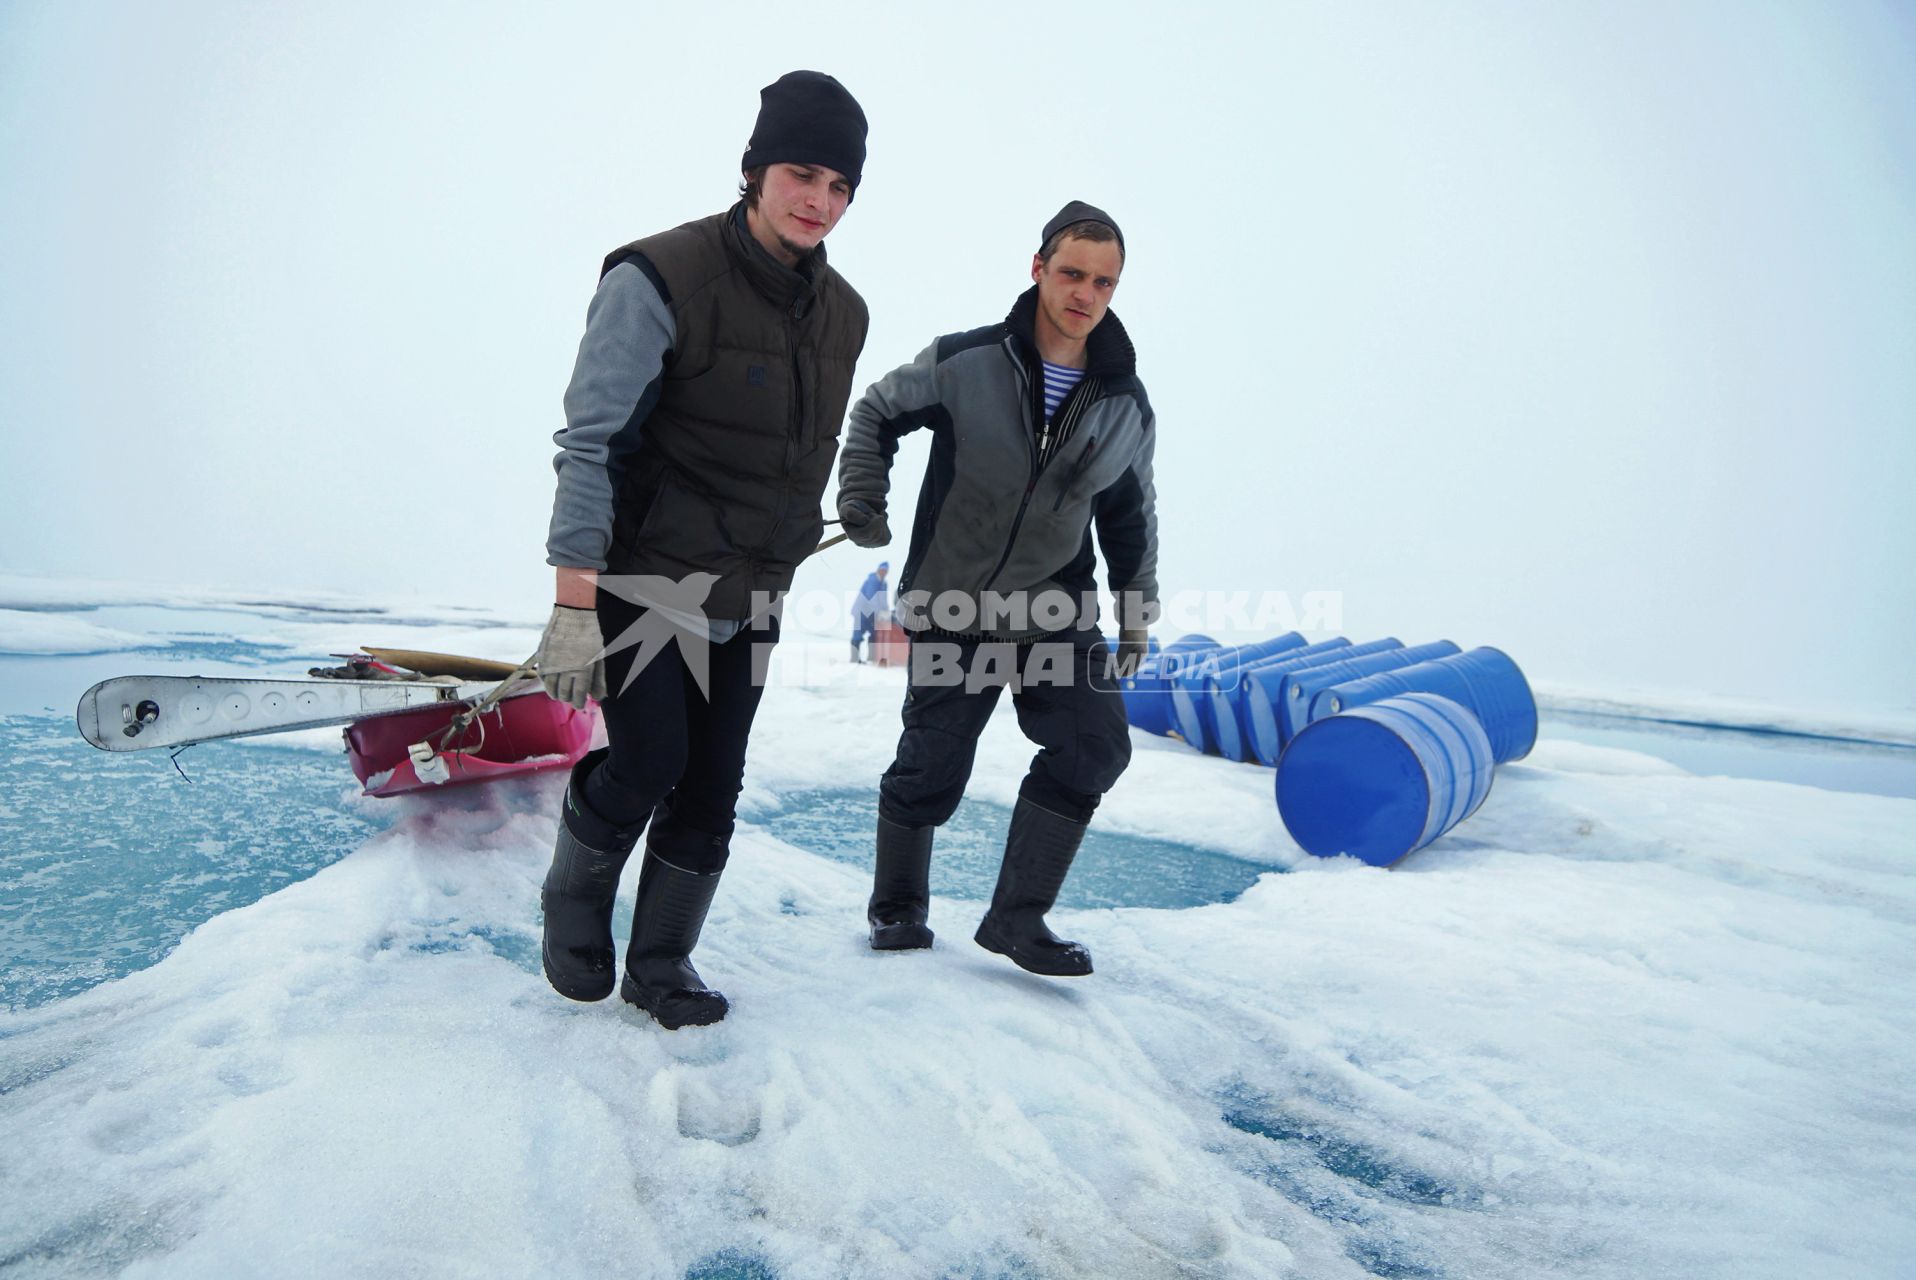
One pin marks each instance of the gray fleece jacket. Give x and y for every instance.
(994, 531)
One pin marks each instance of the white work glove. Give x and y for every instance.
(863, 524)
(568, 658)
(1133, 645)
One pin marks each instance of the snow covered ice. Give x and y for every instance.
(1626, 1021)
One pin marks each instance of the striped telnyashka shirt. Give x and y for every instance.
(1058, 381)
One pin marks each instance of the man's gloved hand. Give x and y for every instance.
(863, 524)
(1133, 645)
(568, 656)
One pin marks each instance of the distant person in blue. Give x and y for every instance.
(873, 603)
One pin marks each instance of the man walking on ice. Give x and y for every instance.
(1040, 434)
(701, 424)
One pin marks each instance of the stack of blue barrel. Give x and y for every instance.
(1380, 747)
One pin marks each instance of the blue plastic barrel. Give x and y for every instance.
(1260, 694)
(1485, 680)
(1229, 714)
(1147, 702)
(1191, 712)
(1297, 688)
(1383, 780)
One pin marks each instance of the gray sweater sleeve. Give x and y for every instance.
(901, 401)
(615, 382)
(1126, 515)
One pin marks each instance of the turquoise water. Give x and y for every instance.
(1112, 870)
(107, 860)
(1834, 765)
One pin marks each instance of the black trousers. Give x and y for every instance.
(678, 756)
(1067, 703)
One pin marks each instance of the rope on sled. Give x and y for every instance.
(425, 755)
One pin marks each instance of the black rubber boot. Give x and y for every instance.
(1038, 854)
(579, 891)
(901, 889)
(659, 977)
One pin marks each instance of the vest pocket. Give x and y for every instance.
(681, 529)
(650, 520)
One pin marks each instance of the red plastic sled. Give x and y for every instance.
(522, 734)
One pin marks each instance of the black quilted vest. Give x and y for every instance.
(736, 453)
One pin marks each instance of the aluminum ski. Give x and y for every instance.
(136, 713)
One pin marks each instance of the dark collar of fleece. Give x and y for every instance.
(1108, 352)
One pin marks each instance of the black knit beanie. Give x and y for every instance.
(1075, 212)
(806, 117)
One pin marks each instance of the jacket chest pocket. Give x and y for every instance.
(1095, 467)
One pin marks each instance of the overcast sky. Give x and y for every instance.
(1584, 330)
